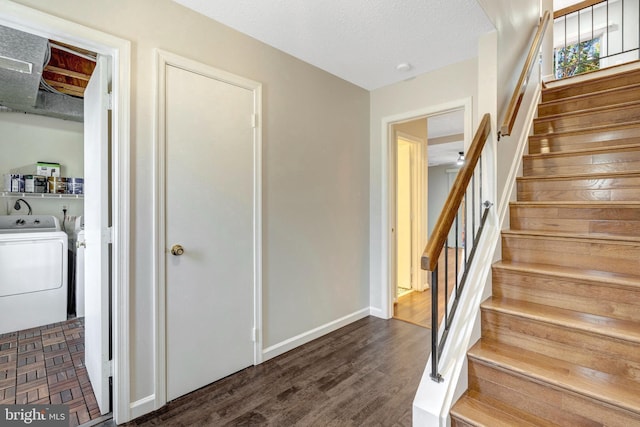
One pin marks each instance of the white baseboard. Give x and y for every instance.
(143, 406)
(305, 337)
(376, 312)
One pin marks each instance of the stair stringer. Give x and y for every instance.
(433, 400)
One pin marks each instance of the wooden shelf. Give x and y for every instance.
(41, 195)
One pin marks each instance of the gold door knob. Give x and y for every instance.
(177, 250)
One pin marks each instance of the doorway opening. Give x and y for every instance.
(104, 240)
(425, 160)
(54, 352)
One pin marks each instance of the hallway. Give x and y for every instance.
(415, 307)
(363, 374)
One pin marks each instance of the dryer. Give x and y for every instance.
(33, 272)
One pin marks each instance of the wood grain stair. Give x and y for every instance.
(592, 86)
(613, 254)
(613, 186)
(623, 158)
(589, 101)
(560, 343)
(597, 342)
(605, 115)
(558, 391)
(595, 136)
(601, 293)
(593, 218)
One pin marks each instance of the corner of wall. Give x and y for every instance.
(377, 312)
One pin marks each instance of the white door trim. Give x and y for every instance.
(386, 214)
(162, 59)
(36, 22)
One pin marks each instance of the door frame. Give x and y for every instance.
(387, 203)
(33, 21)
(418, 149)
(162, 60)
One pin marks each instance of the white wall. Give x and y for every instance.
(446, 85)
(26, 139)
(315, 169)
(516, 22)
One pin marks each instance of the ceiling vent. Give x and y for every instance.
(22, 59)
(21, 62)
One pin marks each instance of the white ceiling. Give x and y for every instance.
(361, 41)
(451, 123)
(444, 154)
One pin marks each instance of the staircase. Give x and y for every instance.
(560, 339)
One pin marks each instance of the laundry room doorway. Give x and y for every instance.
(106, 206)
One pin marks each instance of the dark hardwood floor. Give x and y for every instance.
(364, 374)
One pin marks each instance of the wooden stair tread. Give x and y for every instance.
(473, 409)
(593, 129)
(615, 391)
(593, 76)
(595, 80)
(589, 176)
(590, 111)
(592, 237)
(598, 204)
(609, 91)
(595, 324)
(611, 279)
(584, 152)
(586, 101)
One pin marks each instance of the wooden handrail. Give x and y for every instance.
(438, 238)
(518, 93)
(576, 7)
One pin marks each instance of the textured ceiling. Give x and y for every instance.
(361, 41)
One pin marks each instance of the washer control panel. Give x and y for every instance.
(28, 223)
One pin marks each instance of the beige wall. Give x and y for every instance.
(416, 128)
(426, 92)
(315, 169)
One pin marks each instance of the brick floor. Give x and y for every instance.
(45, 365)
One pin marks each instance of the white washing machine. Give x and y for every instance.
(79, 265)
(33, 272)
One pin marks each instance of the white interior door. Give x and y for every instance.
(209, 208)
(96, 226)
